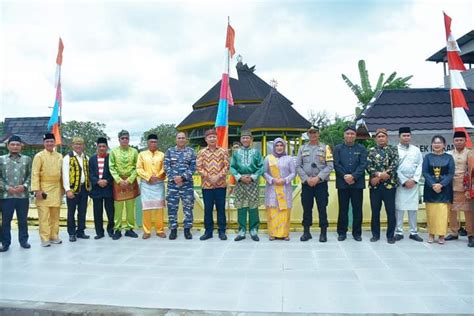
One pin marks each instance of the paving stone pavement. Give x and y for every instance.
(246, 276)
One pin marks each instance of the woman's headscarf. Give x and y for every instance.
(276, 141)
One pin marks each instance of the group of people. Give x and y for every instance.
(114, 179)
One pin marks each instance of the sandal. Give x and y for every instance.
(441, 240)
(271, 238)
(430, 238)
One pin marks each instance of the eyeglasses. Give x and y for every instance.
(123, 138)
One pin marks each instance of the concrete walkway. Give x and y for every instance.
(246, 276)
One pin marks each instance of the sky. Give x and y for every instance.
(136, 64)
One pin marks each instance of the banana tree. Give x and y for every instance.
(364, 91)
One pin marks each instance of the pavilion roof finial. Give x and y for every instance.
(273, 83)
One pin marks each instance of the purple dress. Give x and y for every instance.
(287, 167)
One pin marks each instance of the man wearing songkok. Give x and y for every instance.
(212, 163)
(350, 161)
(123, 168)
(314, 163)
(410, 165)
(47, 185)
(101, 189)
(151, 172)
(15, 178)
(382, 168)
(461, 201)
(77, 185)
(180, 165)
(247, 166)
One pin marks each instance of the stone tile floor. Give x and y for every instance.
(268, 276)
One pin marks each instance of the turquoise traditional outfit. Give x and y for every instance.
(247, 161)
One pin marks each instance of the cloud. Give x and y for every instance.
(135, 65)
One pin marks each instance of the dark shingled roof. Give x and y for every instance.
(30, 129)
(276, 111)
(248, 87)
(238, 113)
(467, 56)
(421, 109)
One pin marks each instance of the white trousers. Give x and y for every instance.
(412, 221)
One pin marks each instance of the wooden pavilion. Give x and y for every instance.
(257, 107)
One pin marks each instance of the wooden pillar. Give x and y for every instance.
(264, 144)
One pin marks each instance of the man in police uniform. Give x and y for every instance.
(314, 163)
(350, 161)
(180, 164)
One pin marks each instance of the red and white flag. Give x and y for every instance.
(456, 82)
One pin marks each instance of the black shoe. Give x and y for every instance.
(374, 239)
(131, 233)
(117, 235)
(341, 237)
(72, 238)
(461, 232)
(173, 234)
(306, 236)
(255, 237)
(391, 240)
(187, 233)
(206, 236)
(25, 245)
(4, 248)
(239, 237)
(111, 234)
(416, 237)
(470, 241)
(323, 236)
(399, 237)
(357, 238)
(83, 236)
(99, 237)
(451, 237)
(222, 236)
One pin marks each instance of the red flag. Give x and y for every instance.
(447, 25)
(229, 41)
(59, 58)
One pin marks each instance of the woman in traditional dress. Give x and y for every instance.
(438, 171)
(280, 169)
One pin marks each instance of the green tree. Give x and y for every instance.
(166, 136)
(364, 91)
(333, 133)
(90, 131)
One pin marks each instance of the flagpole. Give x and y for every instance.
(228, 52)
(60, 114)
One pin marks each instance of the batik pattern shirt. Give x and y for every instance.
(213, 162)
(383, 159)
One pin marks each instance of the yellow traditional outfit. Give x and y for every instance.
(46, 177)
(278, 198)
(152, 194)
